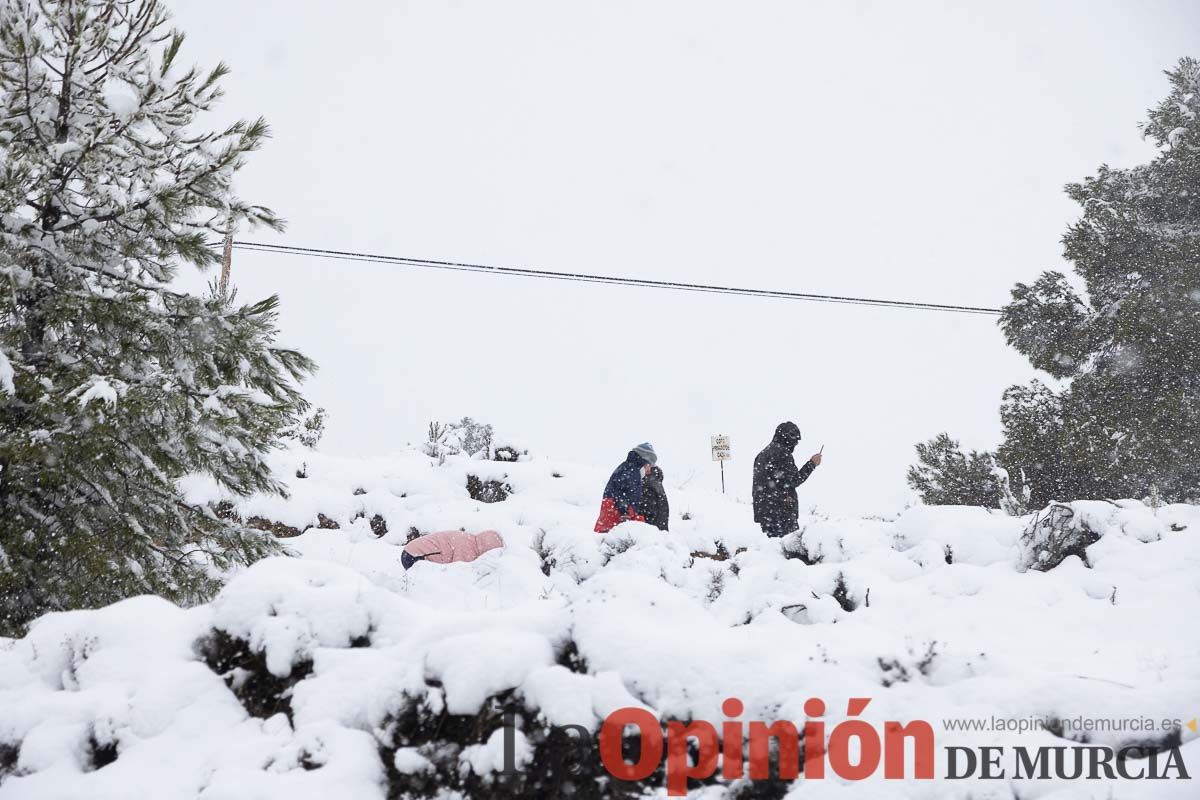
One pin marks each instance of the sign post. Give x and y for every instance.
(721, 452)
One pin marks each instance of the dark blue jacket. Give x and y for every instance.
(625, 485)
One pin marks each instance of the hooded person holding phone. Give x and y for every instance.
(776, 476)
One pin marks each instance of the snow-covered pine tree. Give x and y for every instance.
(113, 385)
(1130, 418)
(1036, 445)
(946, 476)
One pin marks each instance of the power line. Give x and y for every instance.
(584, 277)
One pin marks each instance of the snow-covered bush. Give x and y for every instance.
(471, 438)
(904, 668)
(1053, 535)
(487, 490)
(244, 669)
(1013, 503)
(466, 437)
(428, 750)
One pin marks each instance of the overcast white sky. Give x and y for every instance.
(894, 150)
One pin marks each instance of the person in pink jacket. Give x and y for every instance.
(446, 547)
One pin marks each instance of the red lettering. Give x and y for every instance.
(678, 770)
(814, 739)
(731, 739)
(612, 734)
(760, 750)
(923, 749)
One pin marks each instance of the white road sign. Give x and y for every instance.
(721, 450)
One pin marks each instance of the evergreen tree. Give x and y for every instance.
(1129, 421)
(1127, 424)
(113, 385)
(946, 476)
(1035, 444)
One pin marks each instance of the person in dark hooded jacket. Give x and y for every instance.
(623, 491)
(654, 506)
(776, 476)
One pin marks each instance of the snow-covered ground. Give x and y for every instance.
(338, 674)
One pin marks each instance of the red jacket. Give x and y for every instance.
(610, 516)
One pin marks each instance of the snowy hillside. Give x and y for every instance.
(338, 674)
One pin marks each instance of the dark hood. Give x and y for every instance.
(787, 435)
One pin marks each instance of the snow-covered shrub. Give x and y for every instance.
(427, 750)
(613, 546)
(549, 560)
(101, 748)
(507, 450)
(244, 670)
(901, 669)
(842, 594)
(570, 658)
(279, 530)
(716, 584)
(506, 454)
(473, 437)
(794, 547)
(1054, 534)
(465, 437)
(1013, 503)
(1154, 499)
(719, 552)
(488, 490)
(9, 753)
(470, 438)
(557, 555)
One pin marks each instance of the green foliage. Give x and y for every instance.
(119, 385)
(1128, 421)
(945, 476)
(1059, 342)
(1035, 443)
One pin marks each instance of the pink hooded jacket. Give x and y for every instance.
(445, 547)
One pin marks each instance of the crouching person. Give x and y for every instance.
(623, 491)
(653, 506)
(446, 547)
